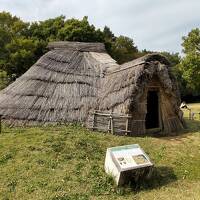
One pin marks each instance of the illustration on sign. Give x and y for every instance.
(129, 157)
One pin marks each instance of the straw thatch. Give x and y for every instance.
(125, 85)
(125, 91)
(61, 87)
(74, 78)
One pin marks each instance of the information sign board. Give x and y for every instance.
(128, 158)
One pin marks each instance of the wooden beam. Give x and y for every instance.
(125, 68)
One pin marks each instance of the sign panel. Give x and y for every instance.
(125, 158)
(129, 157)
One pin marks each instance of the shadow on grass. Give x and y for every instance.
(192, 127)
(161, 176)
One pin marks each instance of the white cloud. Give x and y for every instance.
(153, 24)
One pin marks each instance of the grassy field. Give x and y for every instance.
(67, 163)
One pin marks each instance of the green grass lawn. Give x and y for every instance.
(67, 163)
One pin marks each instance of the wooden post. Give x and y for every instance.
(126, 133)
(0, 124)
(190, 114)
(111, 123)
(94, 118)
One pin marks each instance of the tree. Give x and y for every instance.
(191, 43)
(47, 30)
(108, 34)
(22, 54)
(123, 49)
(12, 24)
(11, 29)
(190, 67)
(190, 64)
(80, 30)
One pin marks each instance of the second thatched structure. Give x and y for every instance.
(141, 97)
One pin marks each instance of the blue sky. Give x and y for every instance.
(153, 24)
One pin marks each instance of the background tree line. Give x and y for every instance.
(22, 44)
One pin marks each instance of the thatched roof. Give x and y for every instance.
(74, 78)
(126, 84)
(61, 86)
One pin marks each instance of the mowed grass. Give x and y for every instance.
(67, 163)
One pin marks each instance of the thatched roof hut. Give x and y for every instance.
(146, 90)
(74, 79)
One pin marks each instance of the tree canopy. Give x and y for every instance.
(190, 64)
(18, 50)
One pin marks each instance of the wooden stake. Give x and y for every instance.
(190, 114)
(111, 123)
(94, 118)
(0, 124)
(126, 125)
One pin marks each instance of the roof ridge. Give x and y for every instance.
(78, 46)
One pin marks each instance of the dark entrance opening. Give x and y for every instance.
(152, 116)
